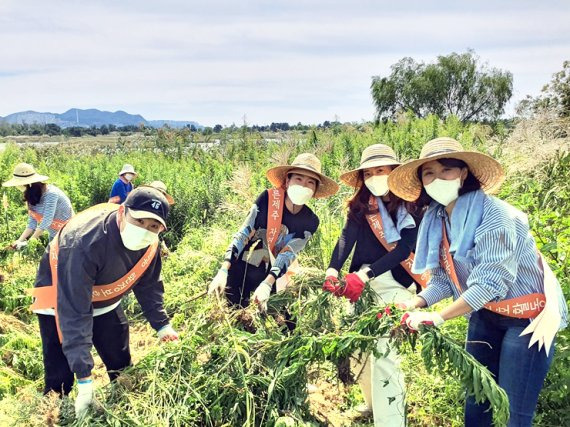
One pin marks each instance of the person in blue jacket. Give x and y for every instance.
(123, 185)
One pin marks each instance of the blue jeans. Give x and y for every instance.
(519, 370)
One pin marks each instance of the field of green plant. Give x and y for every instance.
(240, 368)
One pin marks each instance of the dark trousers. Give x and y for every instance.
(495, 342)
(110, 338)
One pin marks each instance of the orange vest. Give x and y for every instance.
(375, 222)
(46, 296)
(523, 307)
(56, 224)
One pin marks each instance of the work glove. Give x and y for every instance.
(218, 284)
(84, 397)
(167, 333)
(261, 295)
(413, 319)
(20, 244)
(354, 285)
(331, 283)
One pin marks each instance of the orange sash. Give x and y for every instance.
(275, 203)
(375, 222)
(46, 296)
(523, 307)
(56, 224)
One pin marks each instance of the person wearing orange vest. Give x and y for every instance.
(123, 185)
(382, 229)
(48, 207)
(100, 255)
(278, 227)
(480, 251)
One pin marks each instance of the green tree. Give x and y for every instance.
(456, 84)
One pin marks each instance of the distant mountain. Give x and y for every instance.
(92, 117)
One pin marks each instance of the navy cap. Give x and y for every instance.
(148, 202)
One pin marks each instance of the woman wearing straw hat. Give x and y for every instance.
(123, 185)
(374, 210)
(481, 253)
(48, 207)
(278, 227)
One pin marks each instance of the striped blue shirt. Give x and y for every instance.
(503, 263)
(54, 204)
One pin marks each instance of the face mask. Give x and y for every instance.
(136, 238)
(444, 191)
(129, 176)
(22, 188)
(299, 195)
(377, 184)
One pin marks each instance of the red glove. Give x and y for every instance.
(332, 285)
(353, 287)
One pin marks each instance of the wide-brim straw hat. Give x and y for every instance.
(304, 164)
(372, 157)
(160, 186)
(404, 181)
(127, 169)
(24, 174)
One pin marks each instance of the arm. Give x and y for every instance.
(76, 277)
(116, 190)
(150, 295)
(286, 257)
(495, 269)
(26, 233)
(344, 245)
(243, 235)
(439, 288)
(392, 259)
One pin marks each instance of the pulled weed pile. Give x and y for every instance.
(223, 374)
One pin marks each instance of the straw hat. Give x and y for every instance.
(160, 186)
(24, 174)
(304, 164)
(127, 169)
(372, 157)
(404, 181)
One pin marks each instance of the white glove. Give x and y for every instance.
(545, 326)
(167, 333)
(261, 295)
(331, 272)
(20, 244)
(84, 397)
(413, 319)
(218, 284)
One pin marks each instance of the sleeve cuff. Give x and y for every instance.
(431, 295)
(83, 374)
(477, 296)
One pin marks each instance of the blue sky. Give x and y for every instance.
(269, 60)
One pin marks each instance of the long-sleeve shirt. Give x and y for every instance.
(296, 230)
(503, 264)
(121, 190)
(92, 253)
(370, 251)
(53, 204)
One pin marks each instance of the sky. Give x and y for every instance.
(226, 61)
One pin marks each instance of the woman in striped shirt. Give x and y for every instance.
(49, 208)
(479, 251)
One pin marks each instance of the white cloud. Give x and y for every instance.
(274, 61)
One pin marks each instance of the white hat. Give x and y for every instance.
(127, 169)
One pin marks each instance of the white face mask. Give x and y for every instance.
(299, 195)
(136, 238)
(444, 191)
(129, 176)
(22, 188)
(377, 184)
